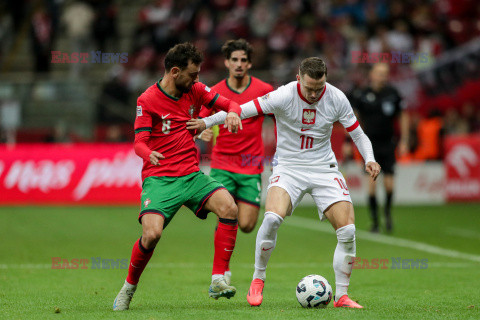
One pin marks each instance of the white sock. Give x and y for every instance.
(216, 276)
(343, 259)
(266, 240)
(228, 273)
(129, 286)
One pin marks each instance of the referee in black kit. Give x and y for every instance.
(378, 106)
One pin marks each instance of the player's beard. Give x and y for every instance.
(183, 88)
(239, 76)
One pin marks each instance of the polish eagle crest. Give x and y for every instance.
(308, 116)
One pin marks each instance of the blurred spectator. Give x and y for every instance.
(78, 20)
(114, 134)
(428, 137)
(113, 104)
(262, 18)
(399, 38)
(10, 116)
(104, 24)
(470, 116)
(454, 124)
(60, 134)
(41, 39)
(17, 10)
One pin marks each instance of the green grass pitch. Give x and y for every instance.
(175, 284)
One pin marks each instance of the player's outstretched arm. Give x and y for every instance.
(364, 145)
(248, 110)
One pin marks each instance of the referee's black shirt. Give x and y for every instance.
(377, 111)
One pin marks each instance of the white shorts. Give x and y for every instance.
(326, 185)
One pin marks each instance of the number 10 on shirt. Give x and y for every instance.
(306, 143)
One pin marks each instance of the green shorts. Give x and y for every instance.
(243, 187)
(166, 195)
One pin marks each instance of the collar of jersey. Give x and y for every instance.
(248, 85)
(303, 98)
(163, 91)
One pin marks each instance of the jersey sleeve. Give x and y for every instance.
(209, 98)
(272, 102)
(204, 95)
(205, 112)
(143, 129)
(143, 120)
(345, 113)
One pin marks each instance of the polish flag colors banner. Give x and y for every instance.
(69, 174)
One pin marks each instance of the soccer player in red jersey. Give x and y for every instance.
(171, 176)
(237, 159)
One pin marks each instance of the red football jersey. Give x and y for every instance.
(165, 117)
(242, 152)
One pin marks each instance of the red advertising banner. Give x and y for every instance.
(462, 164)
(69, 174)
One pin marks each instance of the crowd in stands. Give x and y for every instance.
(282, 32)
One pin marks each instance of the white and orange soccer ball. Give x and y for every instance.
(314, 291)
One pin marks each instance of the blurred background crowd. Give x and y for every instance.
(62, 102)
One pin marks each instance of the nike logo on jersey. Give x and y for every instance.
(303, 129)
(163, 117)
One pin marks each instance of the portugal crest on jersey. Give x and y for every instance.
(308, 116)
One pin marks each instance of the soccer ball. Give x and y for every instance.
(314, 291)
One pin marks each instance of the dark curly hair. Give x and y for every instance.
(235, 45)
(181, 54)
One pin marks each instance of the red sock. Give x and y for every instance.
(224, 242)
(215, 235)
(139, 259)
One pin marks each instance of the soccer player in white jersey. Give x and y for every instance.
(305, 111)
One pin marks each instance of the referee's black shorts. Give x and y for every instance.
(385, 155)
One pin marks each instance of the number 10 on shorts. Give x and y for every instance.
(343, 186)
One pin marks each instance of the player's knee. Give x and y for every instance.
(151, 237)
(246, 226)
(346, 233)
(228, 210)
(272, 221)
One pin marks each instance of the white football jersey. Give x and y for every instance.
(304, 129)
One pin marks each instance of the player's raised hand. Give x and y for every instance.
(233, 122)
(155, 158)
(373, 169)
(196, 124)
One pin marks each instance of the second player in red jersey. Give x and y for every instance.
(231, 150)
(232, 155)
